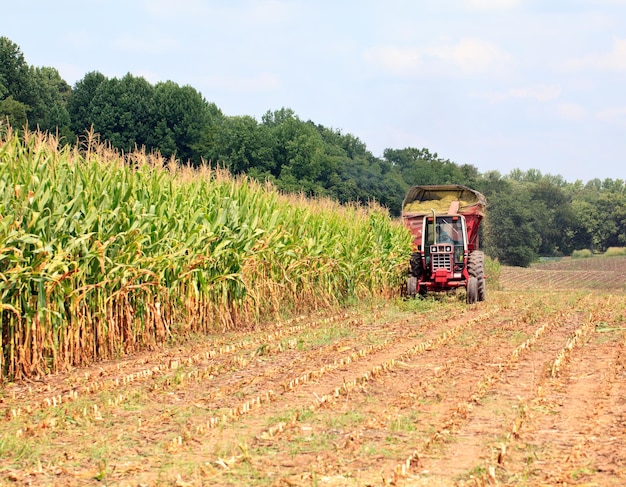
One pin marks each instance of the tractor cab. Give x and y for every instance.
(445, 244)
(444, 248)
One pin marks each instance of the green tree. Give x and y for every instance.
(553, 217)
(15, 74)
(344, 145)
(364, 180)
(39, 93)
(585, 234)
(421, 167)
(80, 102)
(300, 161)
(510, 233)
(179, 118)
(13, 111)
(243, 146)
(49, 111)
(17, 94)
(603, 222)
(122, 112)
(599, 208)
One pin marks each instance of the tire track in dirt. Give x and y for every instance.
(380, 401)
(252, 431)
(294, 387)
(243, 429)
(478, 446)
(574, 431)
(444, 394)
(292, 424)
(144, 365)
(176, 392)
(294, 421)
(204, 358)
(38, 414)
(164, 371)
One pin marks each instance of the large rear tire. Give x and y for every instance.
(476, 268)
(416, 267)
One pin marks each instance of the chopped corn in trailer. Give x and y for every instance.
(444, 221)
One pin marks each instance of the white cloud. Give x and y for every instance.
(260, 82)
(540, 93)
(491, 4)
(395, 59)
(615, 60)
(145, 44)
(472, 55)
(249, 12)
(469, 56)
(572, 111)
(613, 114)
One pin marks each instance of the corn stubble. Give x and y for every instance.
(103, 254)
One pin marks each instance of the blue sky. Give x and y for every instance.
(499, 84)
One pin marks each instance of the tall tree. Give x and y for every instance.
(553, 217)
(180, 114)
(13, 111)
(122, 111)
(15, 75)
(299, 152)
(50, 112)
(421, 167)
(510, 230)
(242, 145)
(17, 95)
(80, 103)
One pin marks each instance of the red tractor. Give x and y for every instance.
(444, 221)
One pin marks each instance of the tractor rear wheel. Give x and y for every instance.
(476, 268)
(415, 265)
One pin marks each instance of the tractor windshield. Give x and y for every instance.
(445, 229)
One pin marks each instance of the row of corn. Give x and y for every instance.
(103, 254)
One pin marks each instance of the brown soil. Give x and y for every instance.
(523, 389)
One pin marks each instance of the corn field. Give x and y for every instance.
(105, 254)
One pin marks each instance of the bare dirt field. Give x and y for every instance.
(526, 388)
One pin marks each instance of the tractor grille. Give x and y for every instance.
(441, 261)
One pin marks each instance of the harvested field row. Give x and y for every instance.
(597, 273)
(431, 393)
(533, 279)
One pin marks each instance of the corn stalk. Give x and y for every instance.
(103, 255)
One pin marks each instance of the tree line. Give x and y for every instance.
(530, 214)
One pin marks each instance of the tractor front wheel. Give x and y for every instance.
(471, 294)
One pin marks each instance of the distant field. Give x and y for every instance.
(599, 273)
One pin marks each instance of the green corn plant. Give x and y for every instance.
(103, 255)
